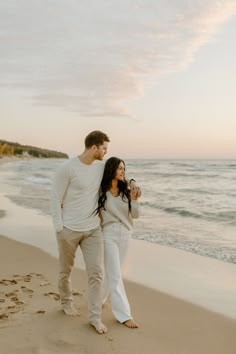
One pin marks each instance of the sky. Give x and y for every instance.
(157, 76)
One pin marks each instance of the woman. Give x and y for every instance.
(117, 207)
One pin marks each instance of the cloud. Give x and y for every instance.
(92, 57)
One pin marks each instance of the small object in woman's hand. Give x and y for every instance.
(135, 190)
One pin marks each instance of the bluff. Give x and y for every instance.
(15, 149)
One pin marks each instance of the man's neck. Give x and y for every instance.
(86, 157)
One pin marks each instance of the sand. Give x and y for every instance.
(31, 319)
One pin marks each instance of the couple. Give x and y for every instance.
(87, 195)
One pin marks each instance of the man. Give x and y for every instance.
(73, 202)
(74, 199)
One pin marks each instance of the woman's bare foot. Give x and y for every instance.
(99, 326)
(131, 324)
(69, 310)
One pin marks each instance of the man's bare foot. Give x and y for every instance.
(69, 310)
(99, 326)
(131, 324)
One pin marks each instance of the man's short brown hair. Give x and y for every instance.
(95, 138)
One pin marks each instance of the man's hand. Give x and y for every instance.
(135, 190)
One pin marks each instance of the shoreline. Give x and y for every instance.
(203, 281)
(200, 280)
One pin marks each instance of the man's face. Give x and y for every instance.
(100, 151)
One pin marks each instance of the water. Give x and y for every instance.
(186, 204)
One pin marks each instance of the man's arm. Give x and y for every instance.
(59, 187)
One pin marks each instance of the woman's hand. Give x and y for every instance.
(135, 190)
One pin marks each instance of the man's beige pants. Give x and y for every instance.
(91, 244)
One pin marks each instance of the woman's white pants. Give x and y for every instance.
(116, 241)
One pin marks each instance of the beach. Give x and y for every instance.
(184, 303)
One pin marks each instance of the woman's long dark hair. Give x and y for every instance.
(109, 174)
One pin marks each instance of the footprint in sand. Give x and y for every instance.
(14, 298)
(41, 311)
(13, 295)
(17, 306)
(27, 291)
(45, 283)
(38, 275)
(27, 278)
(12, 309)
(18, 302)
(76, 293)
(7, 282)
(24, 277)
(17, 277)
(53, 295)
(3, 316)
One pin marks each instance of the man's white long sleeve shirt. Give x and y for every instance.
(74, 195)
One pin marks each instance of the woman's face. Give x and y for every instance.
(120, 172)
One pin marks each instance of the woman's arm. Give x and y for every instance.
(134, 189)
(135, 208)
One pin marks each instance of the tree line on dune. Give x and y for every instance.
(8, 148)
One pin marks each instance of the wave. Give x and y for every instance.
(221, 216)
(172, 210)
(178, 174)
(198, 191)
(39, 180)
(226, 216)
(226, 253)
(182, 212)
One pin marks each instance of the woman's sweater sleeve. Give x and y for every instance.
(135, 209)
